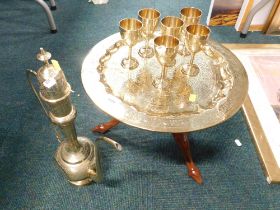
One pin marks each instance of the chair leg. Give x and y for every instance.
(53, 5)
(48, 12)
(251, 15)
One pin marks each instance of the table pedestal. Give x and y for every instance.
(181, 140)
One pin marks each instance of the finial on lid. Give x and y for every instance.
(44, 56)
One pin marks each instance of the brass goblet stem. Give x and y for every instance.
(163, 75)
(144, 51)
(129, 54)
(164, 72)
(147, 43)
(192, 59)
(183, 49)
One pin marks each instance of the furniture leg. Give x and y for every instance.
(53, 5)
(48, 12)
(184, 144)
(251, 15)
(104, 127)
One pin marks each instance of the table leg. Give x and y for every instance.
(184, 144)
(104, 127)
(48, 12)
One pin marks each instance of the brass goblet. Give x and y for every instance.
(196, 38)
(190, 16)
(149, 18)
(172, 26)
(166, 48)
(130, 32)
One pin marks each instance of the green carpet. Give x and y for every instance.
(149, 173)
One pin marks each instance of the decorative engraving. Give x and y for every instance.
(210, 87)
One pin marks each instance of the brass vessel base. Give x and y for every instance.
(78, 166)
(82, 182)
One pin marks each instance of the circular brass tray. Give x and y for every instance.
(192, 103)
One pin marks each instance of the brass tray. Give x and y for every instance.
(192, 103)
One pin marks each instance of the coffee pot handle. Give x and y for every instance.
(29, 74)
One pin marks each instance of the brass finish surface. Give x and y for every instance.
(195, 40)
(190, 15)
(149, 18)
(166, 48)
(171, 25)
(77, 156)
(192, 103)
(130, 30)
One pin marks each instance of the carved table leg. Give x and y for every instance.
(104, 127)
(184, 144)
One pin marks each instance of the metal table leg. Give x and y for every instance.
(48, 12)
(251, 15)
(53, 5)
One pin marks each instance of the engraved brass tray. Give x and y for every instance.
(191, 103)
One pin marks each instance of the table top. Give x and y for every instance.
(193, 103)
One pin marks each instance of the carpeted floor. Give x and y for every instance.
(149, 173)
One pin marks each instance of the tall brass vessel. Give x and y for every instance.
(76, 155)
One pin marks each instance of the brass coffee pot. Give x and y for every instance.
(77, 156)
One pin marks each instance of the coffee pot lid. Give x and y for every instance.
(47, 71)
(43, 55)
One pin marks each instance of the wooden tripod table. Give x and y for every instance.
(180, 138)
(186, 104)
